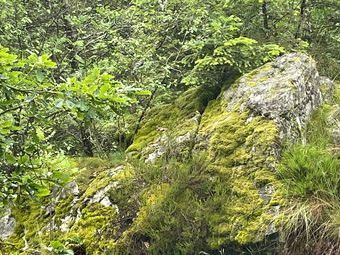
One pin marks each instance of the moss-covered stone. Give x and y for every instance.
(41, 222)
(241, 149)
(162, 131)
(94, 229)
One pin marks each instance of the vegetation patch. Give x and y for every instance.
(311, 180)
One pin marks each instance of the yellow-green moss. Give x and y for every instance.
(175, 119)
(251, 77)
(34, 224)
(226, 195)
(240, 148)
(179, 207)
(31, 224)
(95, 228)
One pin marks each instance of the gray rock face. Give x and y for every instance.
(286, 91)
(101, 196)
(327, 88)
(176, 144)
(333, 122)
(7, 225)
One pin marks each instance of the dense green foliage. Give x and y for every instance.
(32, 105)
(78, 78)
(304, 25)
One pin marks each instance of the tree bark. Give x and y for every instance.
(86, 140)
(141, 117)
(303, 9)
(265, 17)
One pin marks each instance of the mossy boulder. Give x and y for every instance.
(171, 128)
(200, 175)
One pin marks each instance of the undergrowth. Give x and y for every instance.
(311, 180)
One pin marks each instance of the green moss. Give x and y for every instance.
(92, 163)
(177, 206)
(89, 169)
(94, 229)
(163, 120)
(253, 78)
(102, 179)
(223, 198)
(263, 177)
(64, 208)
(34, 225)
(240, 150)
(31, 227)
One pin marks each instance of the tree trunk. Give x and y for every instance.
(141, 117)
(303, 9)
(265, 17)
(86, 140)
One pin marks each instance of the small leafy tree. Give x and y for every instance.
(32, 106)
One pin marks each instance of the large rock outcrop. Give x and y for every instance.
(285, 91)
(205, 178)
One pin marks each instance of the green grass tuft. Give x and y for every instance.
(310, 174)
(309, 171)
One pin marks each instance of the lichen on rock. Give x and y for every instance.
(288, 95)
(7, 224)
